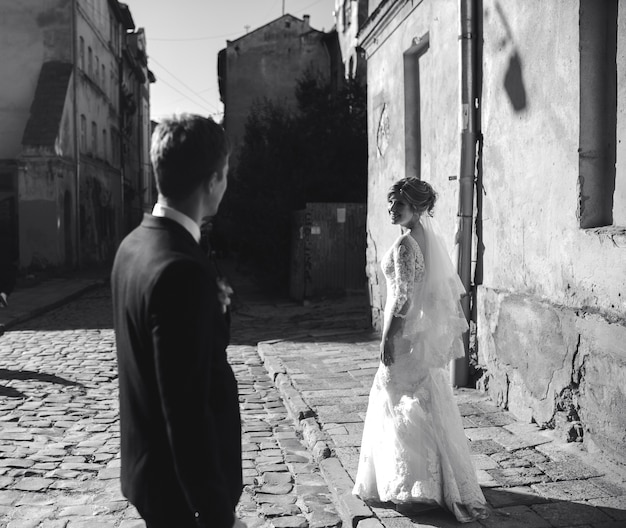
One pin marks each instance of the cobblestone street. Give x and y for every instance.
(530, 478)
(303, 395)
(59, 437)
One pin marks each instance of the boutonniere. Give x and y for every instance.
(224, 291)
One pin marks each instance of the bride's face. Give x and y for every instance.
(400, 211)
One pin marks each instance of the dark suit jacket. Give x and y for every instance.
(179, 411)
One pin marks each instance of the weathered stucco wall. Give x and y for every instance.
(31, 32)
(97, 90)
(619, 198)
(539, 354)
(438, 103)
(45, 228)
(46, 223)
(552, 307)
(533, 242)
(99, 192)
(47, 212)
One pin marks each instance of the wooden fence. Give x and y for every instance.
(328, 250)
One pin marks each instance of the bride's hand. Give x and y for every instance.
(386, 352)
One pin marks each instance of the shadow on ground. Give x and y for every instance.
(24, 375)
(512, 509)
(91, 310)
(258, 314)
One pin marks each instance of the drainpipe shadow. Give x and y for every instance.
(514, 83)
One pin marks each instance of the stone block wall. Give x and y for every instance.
(537, 354)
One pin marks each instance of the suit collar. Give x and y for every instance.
(165, 211)
(155, 222)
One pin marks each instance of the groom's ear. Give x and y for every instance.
(211, 180)
(218, 176)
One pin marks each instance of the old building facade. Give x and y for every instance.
(61, 144)
(548, 257)
(350, 15)
(139, 191)
(266, 63)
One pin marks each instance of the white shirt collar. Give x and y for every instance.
(165, 211)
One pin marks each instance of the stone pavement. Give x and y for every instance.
(324, 366)
(529, 477)
(59, 436)
(303, 394)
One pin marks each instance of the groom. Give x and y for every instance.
(179, 411)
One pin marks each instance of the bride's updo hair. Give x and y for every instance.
(419, 194)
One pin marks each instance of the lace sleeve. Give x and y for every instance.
(404, 267)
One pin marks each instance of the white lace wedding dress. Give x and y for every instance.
(414, 449)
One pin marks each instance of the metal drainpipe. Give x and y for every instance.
(460, 368)
(77, 248)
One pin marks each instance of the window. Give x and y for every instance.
(115, 147)
(598, 112)
(96, 72)
(412, 104)
(89, 61)
(114, 35)
(104, 78)
(114, 89)
(105, 153)
(81, 51)
(83, 133)
(94, 138)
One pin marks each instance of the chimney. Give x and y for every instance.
(306, 19)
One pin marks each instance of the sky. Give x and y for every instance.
(185, 36)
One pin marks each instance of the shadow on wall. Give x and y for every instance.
(514, 78)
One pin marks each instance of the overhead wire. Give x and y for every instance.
(196, 94)
(301, 9)
(186, 39)
(187, 97)
(271, 9)
(198, 99)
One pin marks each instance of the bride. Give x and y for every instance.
(414, 452)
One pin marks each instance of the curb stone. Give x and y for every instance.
(297, 407)
(300, 412)
(315, 439)
(274, 366)
(353, 511)
(351, 508)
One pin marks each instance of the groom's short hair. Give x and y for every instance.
(186, 149)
